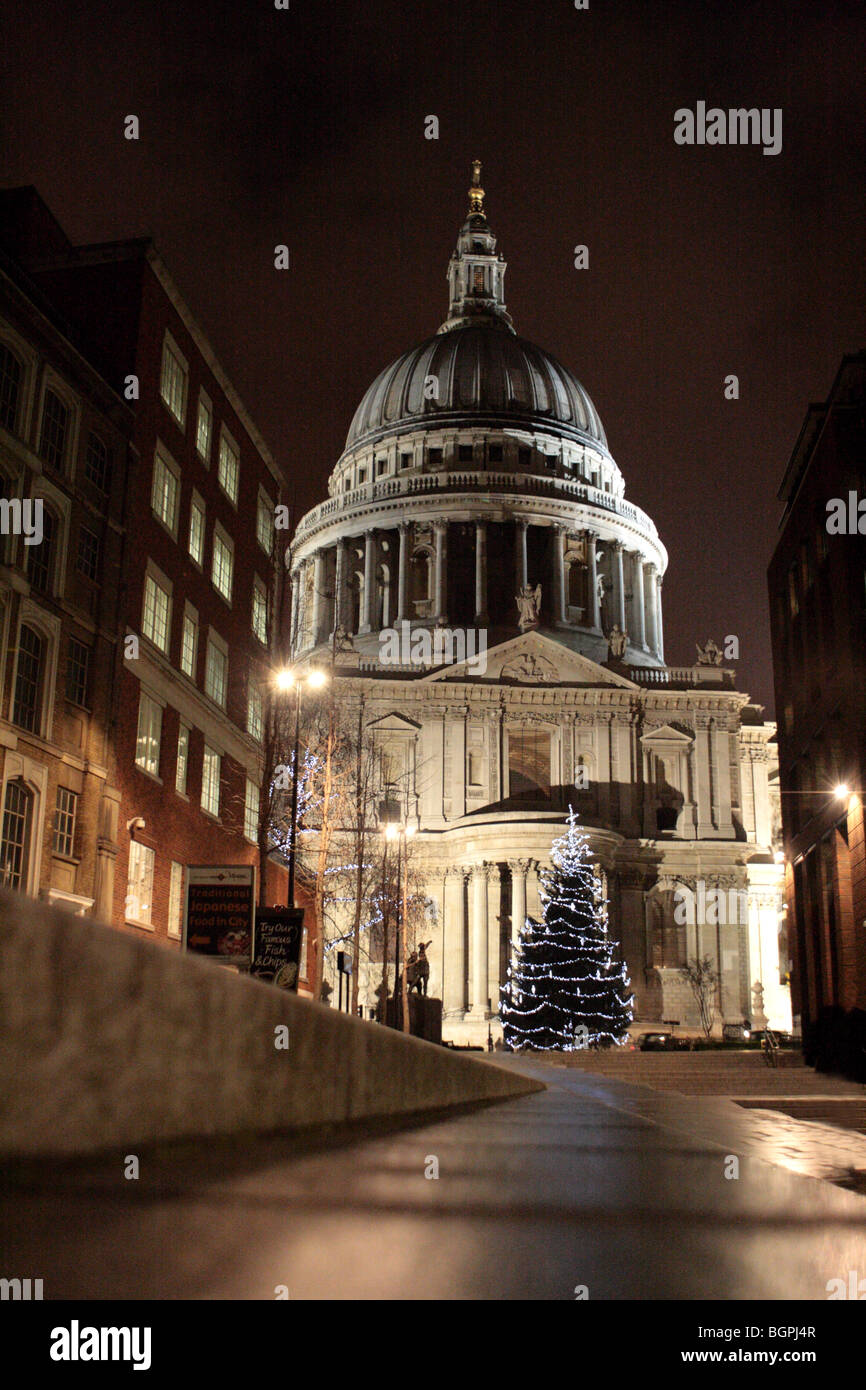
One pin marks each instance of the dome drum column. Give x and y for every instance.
(440, 576)
(640, 600)
(481, 616)
(403, 574)
(520, 559)
(618, 586)
(369, 582)
(592, 562)
(318, 597)
(560, 617)
(652, 610)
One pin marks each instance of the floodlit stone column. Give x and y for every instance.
(454, 928)
(369, 581)
(651, 609)
(481, 618)
(618, 585)
(480, 984)
(639, 600)
(441, 571)
(659, 628)
(519, 870)
(403, 574)
(592, 561)
(340, 616)
(559, 615)
(318, 596)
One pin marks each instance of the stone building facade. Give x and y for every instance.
(477, 575)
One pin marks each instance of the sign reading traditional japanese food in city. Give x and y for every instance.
(277, 951)
(220, 908)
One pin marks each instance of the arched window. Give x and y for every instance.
(10, 388)
(27, 703)
(40, 558)
(15, 842)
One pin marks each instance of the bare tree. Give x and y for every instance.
(704, 980)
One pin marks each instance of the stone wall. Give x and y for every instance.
(108, 1040)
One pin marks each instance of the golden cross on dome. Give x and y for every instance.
(476, 192)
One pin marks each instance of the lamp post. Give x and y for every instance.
(401, 833)
(288, 680)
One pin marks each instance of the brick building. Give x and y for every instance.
(200, 586)
(64, 435)
(817, 584)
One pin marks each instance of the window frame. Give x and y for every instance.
(226, 437)
(159, 708)
(170, 348)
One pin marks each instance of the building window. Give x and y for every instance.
(189, 644)
(210, 782)
(165, 493)
(27, 705)
(182, 769)
(529, 764)
(204, 427)
(55, 430)
(78, 673)
(97, 469)
(64, 822)
(15, 845)
(139, 884)
(175, 901)
(405, 460)
(40, 558)
(524, 458)
(173, 381)
(434, 456)
(255, 713)
(494, 453)
(260, 610)
(196, 528)
(265, 523)
(88, 554)
(464, 453)
(216, 673)
(155, 616)
(362, 475)
(381, 465)
(251, 812)
(474, 761)
(222, 564)
(149, 735)
(10, 388)
(228, 473)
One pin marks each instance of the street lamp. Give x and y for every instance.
(288, 680)
(401, 833)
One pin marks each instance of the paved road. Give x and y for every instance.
(593, 1183)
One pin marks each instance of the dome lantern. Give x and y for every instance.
(476, 274)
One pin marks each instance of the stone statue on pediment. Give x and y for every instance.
(710, 655)
(529, 607)
(617, 641)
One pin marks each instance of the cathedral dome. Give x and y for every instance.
(481, 370)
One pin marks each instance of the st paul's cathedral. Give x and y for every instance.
(477, 574)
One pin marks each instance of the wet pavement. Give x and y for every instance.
(594, 1182)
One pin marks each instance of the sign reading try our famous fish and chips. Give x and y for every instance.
(220, 911)
(277, 952)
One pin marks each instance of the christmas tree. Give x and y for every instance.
(565, 989)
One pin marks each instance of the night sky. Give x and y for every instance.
(306, 127)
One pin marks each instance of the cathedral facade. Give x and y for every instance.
(478, 578)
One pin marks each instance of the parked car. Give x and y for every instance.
(662, 1042)
(736, 1032)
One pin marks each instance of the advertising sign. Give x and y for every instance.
(219, 911)
(277, 952)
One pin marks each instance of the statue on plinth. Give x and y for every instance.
(710, 655)
(529, 606)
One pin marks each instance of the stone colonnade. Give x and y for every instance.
(628, 594)
(472, 931)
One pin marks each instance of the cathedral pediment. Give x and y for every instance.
(666, 733)
(394, 723)
(532, 659)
